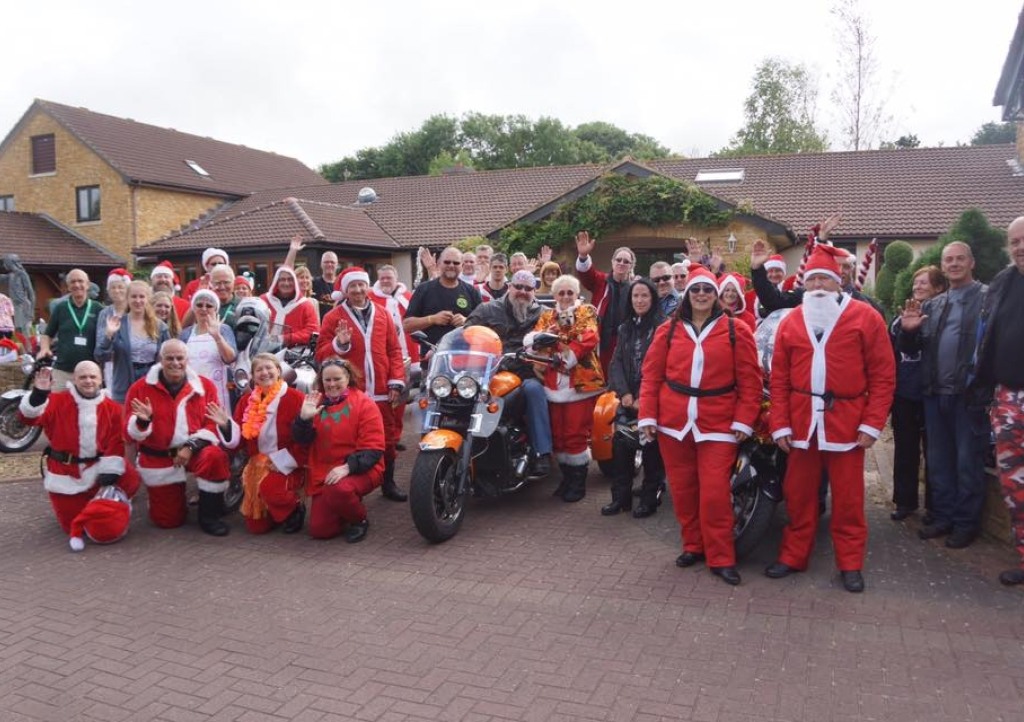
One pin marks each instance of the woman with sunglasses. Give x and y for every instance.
(345, 433)
(211, 343)
(131, 344)
(572, 384)
(273, 475)
(700, 395)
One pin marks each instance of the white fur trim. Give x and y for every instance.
(77, 543)
(161, 475)
(568, 394)
(267, 442)
(212, 252)
(369, 377)
(528, 339)
(88, 423)
(351, 276)
(214, 487)
(64, 484)
(135, 432)
(777, 265)
(110, 465)
(284, 461)
(785, 431)
(579, 459)
(584, 266)
(738, 426)
(205, 435)
(29, 411)
(339, 349)
(236, 436)
(870, 431)
(822, 272)
(642, 423)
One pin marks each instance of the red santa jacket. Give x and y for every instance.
(374, 352)
(852, 363)
(396, 305)
(83, 427)
(579, 376)
(275, 437)
(353, 425)
(175, 421)
(301, 315)
(717, 360)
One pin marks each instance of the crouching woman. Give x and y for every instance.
(345, 433)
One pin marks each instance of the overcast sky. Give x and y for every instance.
(320, 80)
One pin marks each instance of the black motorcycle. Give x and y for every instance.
(16, 436)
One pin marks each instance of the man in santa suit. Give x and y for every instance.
(365, 335)
(163, 278)
(775, 269)
(169, 420)
(86, 451)
(392, 295)
(211, 257)
(832, 383)
(288, 307)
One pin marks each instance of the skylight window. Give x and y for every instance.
(197, 168)
(720, 175)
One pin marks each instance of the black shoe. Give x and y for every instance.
(960, 539)
(293, 524)
(934, 531)
(389, 488)
(778, 570)
(357, 532)
(576, 488)
(729, 575)
(853, 581)
(644, 510)
(211, 508)
(901, 513)
(400, 446)
(1012, 577)
(540, 467)
(688, 559)
(615, 507)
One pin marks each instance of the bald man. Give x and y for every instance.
(71, 332)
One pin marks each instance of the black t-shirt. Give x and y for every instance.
(431, 297)
(322, 291)
(1008, 336)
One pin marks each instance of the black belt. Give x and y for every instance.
(167, 453)
(65, 457)
(829, 397)
(700, 393)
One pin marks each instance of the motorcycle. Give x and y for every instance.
(15, 436)
(475, 441)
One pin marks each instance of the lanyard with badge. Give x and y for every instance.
(80, 324)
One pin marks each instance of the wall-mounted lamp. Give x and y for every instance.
(731, 243)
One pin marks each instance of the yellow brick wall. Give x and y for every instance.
(158, 212)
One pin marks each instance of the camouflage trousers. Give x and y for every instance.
(1008, 425)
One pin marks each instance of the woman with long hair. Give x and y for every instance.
(163, 307)
(131, 342)
(304, 277)
(624, 375)
(700, 395)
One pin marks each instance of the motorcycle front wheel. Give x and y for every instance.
(753, 510)
(15, 436)
(437, 505)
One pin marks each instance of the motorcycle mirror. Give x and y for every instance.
(419, 336)
(545, 340)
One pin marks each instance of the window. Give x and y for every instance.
(720, 175)
(88, 203)
(6, 203)
(197, 168)
(44, 154)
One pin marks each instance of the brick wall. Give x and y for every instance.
(158, 212)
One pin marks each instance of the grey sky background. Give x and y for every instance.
(320, 80)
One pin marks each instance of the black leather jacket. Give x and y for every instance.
(498, 316)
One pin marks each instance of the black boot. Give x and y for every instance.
(293, 524)
(563, 483)
(622, 500)
(650, 497)
(577, 483)
(389, 488)
(211, 508)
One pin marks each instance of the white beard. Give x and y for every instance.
(821, 309)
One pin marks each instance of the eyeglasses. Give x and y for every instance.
(566, 293)
(702, 288)
(204, 305)
(222, 284)
(452, 263)
(678, 275)
(522, 287)
(626, 261)
(662, 279)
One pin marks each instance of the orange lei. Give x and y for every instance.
(256, 410)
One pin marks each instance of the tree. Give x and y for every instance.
(992, 133)
(860, 104)
(448, 163)
(898, 255)
(904, 141)
(405, 154)
(617, 143)
(779, 113)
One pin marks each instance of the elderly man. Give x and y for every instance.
(323, 285)
(609, 291)
(518, 262)
(366, 335)
(483, 262)
(71, 332)
(441, 304)
(222, 283)
(468, 268)
(211, 257)
(163, 278)
(832, 383)
(86, 447)
(1001, 375)
(391, 294)
(944, 331)
(668, 297)
(168, 418)
(679, 273)
(512, 317)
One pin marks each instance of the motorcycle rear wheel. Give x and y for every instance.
(754, 511)
(15, 436)
(437, 506)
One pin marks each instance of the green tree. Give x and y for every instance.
(779, 113)
(904, 141)
(405, 154)
(898, 255)
(617, 143)
(992, 133)
(446, 162)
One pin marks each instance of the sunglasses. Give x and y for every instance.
(522, 287)
(452, 263)
(626, 261)
(662, 279)
(703, 288)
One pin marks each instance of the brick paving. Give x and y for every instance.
(538, 610)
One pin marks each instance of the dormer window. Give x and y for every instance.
(720, 175)
(199, 170)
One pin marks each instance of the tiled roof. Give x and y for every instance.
(41, 241)
(153, 155)
(275, 223)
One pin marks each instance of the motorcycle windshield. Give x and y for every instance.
(765, 335)
(466, 352)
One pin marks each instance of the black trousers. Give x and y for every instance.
(654, 471)
(908, 443)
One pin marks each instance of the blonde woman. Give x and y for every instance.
(305, 279)
(130, 341)
(163, 307)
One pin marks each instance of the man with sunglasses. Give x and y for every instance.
(441, 304)
(512, 317)
(609, 291)
(679, 273)
(668, 297)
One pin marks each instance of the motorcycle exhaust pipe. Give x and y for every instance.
(519, 467)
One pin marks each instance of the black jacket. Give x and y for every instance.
(623, 371)
(498, 316)
(983, 386)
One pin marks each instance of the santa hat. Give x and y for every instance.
(118, 275)
(164, 268)
(104, 519)
(350, 274)
(739, 283)
(699, 274)
(245, 279)
(775, 262)
(825, 261)
(212, 253)
(209, 296)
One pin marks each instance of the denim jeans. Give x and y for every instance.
(957, 439)
(538, 420)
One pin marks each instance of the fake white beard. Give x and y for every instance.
(821, 309)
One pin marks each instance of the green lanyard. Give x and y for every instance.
(80, 325)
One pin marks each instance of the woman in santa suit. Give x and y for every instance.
(572, 384)
(273, 475)
(288, 307)
(733, 300)
(345, 432)
(700, 394)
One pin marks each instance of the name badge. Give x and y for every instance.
(81, 341)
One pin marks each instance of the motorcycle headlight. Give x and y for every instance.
(467, 387)
(441, 387)
(241, 378)
(28, 364)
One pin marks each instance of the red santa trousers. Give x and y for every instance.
(68, 506)
(167, 507)
(848, 526)
(571, 424)
(391, 434)
(279, 493)
(399, 420)
(341, 504)
(698, 479)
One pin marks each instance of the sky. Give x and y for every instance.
(320, 80)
